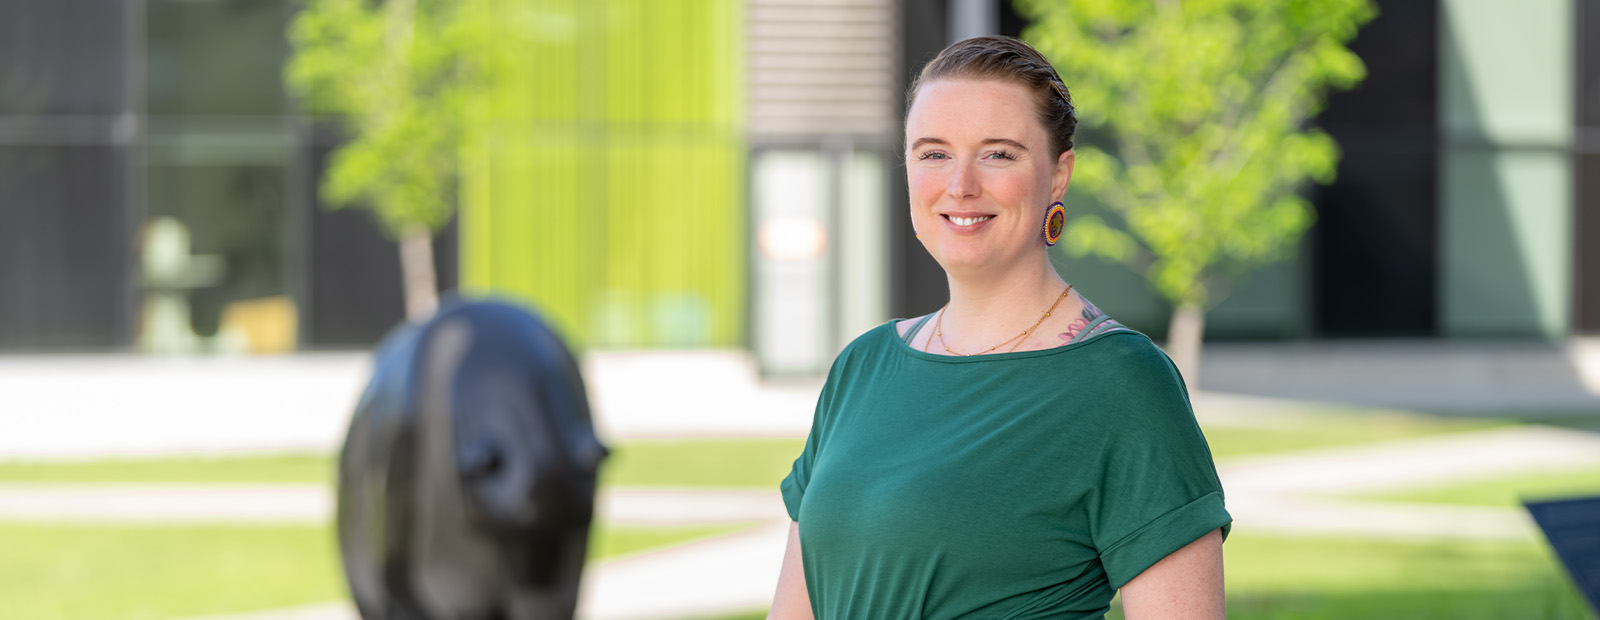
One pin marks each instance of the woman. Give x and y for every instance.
(1015, 454)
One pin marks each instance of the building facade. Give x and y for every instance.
(727, 173)
(157, 188)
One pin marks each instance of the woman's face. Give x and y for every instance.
(980, 173)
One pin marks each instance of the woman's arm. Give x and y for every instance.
(1186, 585)
(791, 601)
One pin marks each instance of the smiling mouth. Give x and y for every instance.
(968, 221)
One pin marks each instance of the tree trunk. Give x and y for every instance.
(1183, 342)
(416, 270)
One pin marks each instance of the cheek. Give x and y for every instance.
(1015, 187)
(925, 186)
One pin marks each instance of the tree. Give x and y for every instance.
(399, 76)
(1195, 142)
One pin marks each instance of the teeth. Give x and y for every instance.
(968, 221)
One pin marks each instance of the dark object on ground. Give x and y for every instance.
(467, 480)
(1573, 528)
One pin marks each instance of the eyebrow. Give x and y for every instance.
(986, 141)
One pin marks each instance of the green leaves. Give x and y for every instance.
(1200, 109)
(1088, 234)
(399, 76)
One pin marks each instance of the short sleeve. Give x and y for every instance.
(794, 485)
(1159, 488)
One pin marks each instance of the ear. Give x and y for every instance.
(1063, 175)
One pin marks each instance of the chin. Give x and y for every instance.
(970, 259)
(965, 260)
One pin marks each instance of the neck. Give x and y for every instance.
(987, 308)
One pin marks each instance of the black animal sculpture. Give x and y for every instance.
(467, 479)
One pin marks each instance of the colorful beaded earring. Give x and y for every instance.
(1055, 219)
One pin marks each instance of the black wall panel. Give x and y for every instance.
(61, 57)
(1586, 171)
(64, 230)
(355, 289)
(62, 248)
(1375, 239)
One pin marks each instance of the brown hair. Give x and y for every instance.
(1009, 60)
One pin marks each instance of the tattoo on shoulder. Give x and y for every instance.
(1090, 312)
(1073, 329)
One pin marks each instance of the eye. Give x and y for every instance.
(1001, 155)
(932, 155)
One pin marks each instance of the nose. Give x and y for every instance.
(963, 183)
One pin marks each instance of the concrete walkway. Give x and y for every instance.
(165, 503)
(1460, 376)
(721, 576)
(96, 406)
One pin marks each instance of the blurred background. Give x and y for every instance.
(706, 198)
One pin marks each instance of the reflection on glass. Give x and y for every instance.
(218, 58)
(62, 57)
(214, 237)
(61, 251)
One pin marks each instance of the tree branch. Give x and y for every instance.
(1272, 84)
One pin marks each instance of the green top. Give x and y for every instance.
(1014, 485)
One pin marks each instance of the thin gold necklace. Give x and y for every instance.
(1020, 338)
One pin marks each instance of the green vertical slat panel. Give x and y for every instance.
(608, 189)
(624, 289)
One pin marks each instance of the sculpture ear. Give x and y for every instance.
(480, 458)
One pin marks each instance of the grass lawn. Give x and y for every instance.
(159, 572)
(1506, 491)
(1336, 578)
(1305, 431)
(693, 462)
(1280, 578)
(757, 463)
(133, 572)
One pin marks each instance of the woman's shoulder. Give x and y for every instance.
(874, 340)
(903, 327)
(1128, 345)
(1131, 357)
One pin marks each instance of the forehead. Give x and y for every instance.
(973, 109)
